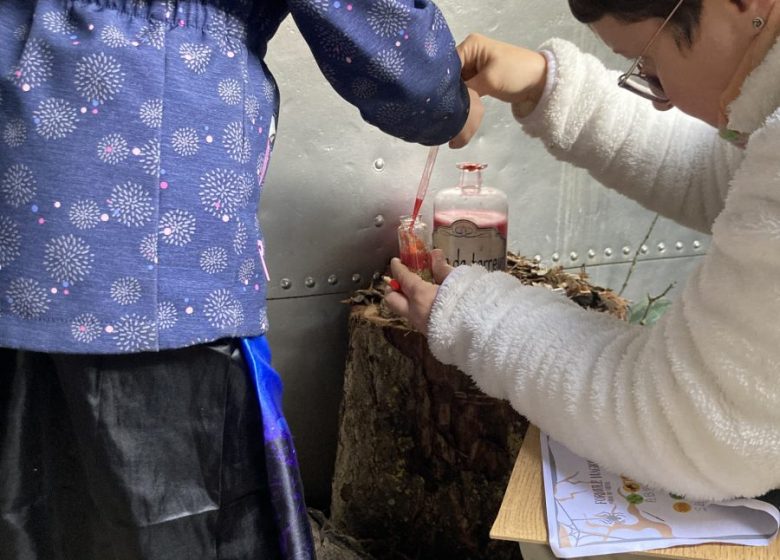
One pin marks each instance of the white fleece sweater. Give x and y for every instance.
(691, 404)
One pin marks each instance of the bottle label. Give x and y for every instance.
(463, 242)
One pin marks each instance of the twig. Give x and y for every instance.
(636, 254)
(652, 300)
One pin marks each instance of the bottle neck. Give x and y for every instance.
(471, 180)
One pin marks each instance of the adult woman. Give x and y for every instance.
(690, 404)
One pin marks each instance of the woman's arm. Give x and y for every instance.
(667, 161)
(691, 404)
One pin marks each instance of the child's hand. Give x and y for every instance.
(415, 299)
(506, 72)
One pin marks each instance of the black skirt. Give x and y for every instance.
(155, 456)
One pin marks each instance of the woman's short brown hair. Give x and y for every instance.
(685, 21)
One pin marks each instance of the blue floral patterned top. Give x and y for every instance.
(134, 139)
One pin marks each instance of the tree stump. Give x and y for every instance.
(423, 456)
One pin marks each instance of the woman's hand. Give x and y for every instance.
(506, 72)
(415, 299)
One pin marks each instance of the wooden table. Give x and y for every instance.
(521, 517)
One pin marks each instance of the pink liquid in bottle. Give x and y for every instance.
(470, 221)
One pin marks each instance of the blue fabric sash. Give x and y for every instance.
(282, 463)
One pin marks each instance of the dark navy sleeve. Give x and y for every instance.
(395, 60)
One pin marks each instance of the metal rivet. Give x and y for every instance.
(644, 249)
(679, 246)
(309, 282)
(379, 220)
(697, 244)
(591, 254)
(626, 250)
(608, 252)
(574, 256)
(285, 283)
(333, 279)
(661, 247)
(538, 258)
(379, 164)
(556, 257)
(356, 278)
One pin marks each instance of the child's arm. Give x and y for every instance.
(395, 60)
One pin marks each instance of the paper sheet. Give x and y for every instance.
(591, 511)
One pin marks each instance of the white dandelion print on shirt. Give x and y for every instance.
(113, 37)
(35, 65)
(10, 241)
(148, 247)
(68, 259)
(228, 31)
(177, 227)
(166, 315)
(239, 238)
(126, 291)
(388, 17)
(390, 114)
(55, 118)
(269, 89)
(364, 88)
(85, 328)
(113, 149)
(18, 185)
(223, 310)
(185, 141)
(236, 143)
(98, 77)
(134, 333)
(263, 319)
(21, 32)
(312, 7)
(195, 56)
(149, 154)
(15, 133)
(131, 204)
(84, 214)
(27, 298)
(230, 91)
(446, 105)
(335, 43)
(252, 108)
(58, 22)
(213, 260)
(246, 272)
(387, 65)
(153, 34)
(431, 45)
(151, 113)
(439, 22)
(223, 192)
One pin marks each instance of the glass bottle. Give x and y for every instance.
(470, 221)
(414, 246)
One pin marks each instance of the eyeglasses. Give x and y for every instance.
(636, 81)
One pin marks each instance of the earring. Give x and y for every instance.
(758, 22)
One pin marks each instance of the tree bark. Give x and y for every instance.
(423, 457)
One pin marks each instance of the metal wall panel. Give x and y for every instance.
(336, 187)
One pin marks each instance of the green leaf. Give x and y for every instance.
(648, 311)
